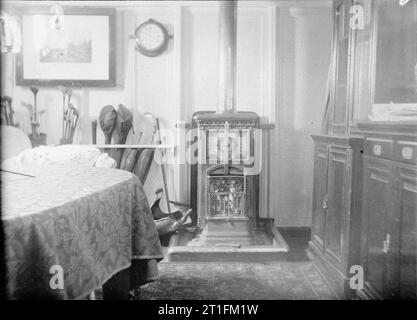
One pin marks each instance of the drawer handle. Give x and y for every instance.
(325, 203)
(377, 149)
(407, 153)
(386, 244)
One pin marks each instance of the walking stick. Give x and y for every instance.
(34, 122)
(64, 92)
(163, 164)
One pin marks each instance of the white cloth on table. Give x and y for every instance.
(63, 154)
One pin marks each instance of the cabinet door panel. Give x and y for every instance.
(407, 280)
(319, 192)
(377, 208)
(336, 193)
(341, 65)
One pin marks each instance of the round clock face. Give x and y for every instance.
(151, 38)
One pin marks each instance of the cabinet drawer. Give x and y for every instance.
(406, 151)
(379, 148)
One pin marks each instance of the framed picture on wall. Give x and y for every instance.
(78, 49)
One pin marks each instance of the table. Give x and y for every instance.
(69, 229)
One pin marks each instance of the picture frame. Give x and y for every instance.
(80, 54)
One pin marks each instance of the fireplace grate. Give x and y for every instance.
(226, 195)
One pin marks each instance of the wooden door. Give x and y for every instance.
(336, 211)
(319, 193)
(341, 49)
(378, 227)
(407, 211)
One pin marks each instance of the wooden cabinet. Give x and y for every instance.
(378, 226)
(365, 162)
(338, 182)
(336, 223)
(406, 287)
(319, 194)
(340, 71)
(389, 242)
(341, 65)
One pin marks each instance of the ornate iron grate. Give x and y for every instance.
(226, 195)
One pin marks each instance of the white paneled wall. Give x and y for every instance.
(304, 46)
(274, 78)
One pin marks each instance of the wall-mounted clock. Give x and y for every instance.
(151, 38)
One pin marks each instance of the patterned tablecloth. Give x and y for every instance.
(82, 222)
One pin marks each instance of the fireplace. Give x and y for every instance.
(226, 186)
(226, 193)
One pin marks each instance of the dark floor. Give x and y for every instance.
(297, 240)
(237, 281)
(290, 279)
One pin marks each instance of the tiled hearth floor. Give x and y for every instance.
(295, 278)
